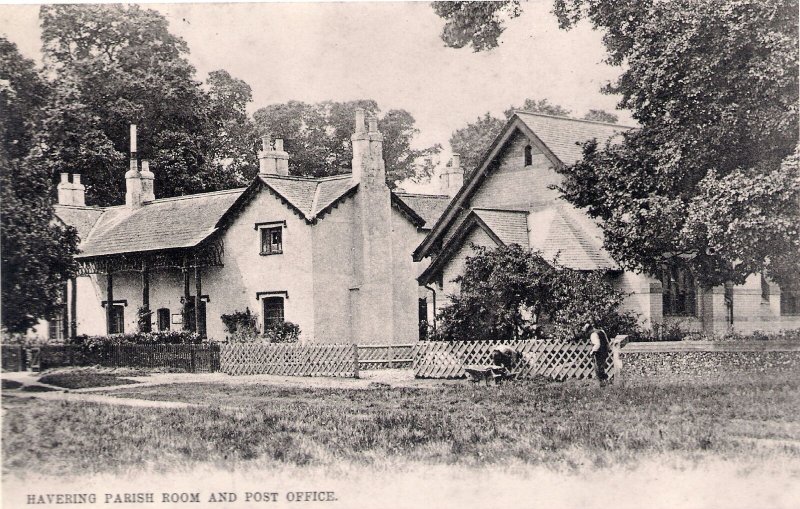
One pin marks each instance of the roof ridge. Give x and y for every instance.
(341, 176)
(405, 193)
(583, 120)
(524, 211)
(315, 199)
(192, 196)
(96, 208)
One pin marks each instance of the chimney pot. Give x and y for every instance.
(64, 178)
(278, 145)
(373, 124)
(64, 189)
(133, 140)
(452, 177)
(359, 120)
(76, 179)
(265, 143)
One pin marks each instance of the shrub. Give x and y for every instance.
(241, 325)
(512, 293)
(284, 332)
(143, 317)
(138, 338)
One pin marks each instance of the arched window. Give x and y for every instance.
(528, 155)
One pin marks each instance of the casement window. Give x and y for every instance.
(55, 326)
(163, 318)
(678, 292)
(273, 311)
(528, 155)
(118, 319)
(272, 240)
(790, 300)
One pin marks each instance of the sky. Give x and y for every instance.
(387, 51)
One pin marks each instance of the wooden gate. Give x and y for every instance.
(556, 360)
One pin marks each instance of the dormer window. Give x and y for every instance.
(528, 155)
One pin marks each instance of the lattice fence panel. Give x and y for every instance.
(559, 361)
(385, 356)
(286, 359)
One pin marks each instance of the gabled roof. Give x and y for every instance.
(505, 227)
(168, 223)
(82, 218)
(311, 198)
(427, 206)
(575, 238)
(559, 140)
(563, 135)
(186, 221)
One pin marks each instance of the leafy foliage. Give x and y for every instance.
(711, 180)
(476, 24)
(511, 293)
(37, 250)
(284, 332)
(317, 137)
(242, 326)
(137, 338)
(116, 65)
(601, 116)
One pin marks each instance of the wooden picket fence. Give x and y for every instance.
(559, 361)
(289, 359)
(194, 358)
(385, 356)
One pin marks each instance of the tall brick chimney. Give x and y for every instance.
(133, 179)
(148, 186)
(372, 294)
(272, 159)
(452, 177)
(71, 193)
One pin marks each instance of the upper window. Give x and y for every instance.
(273, 311)
(272, 240)
(678, 292)
(790, 300)
(528, 155)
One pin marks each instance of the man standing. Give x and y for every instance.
(599, 341)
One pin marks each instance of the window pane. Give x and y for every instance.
(273, 311)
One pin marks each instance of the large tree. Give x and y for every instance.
(116, 65)
(37, 251)
(317, 137)
(710, 181)
(474, 139)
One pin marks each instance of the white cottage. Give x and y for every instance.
(331, 254)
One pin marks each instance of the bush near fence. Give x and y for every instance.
(556, 360)
(289, 359)
(194, 358)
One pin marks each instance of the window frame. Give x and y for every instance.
(269, 230)
(528, 155)
(55, 326)
(160, 313)
(678, 293)
(118, 318)
(272, 299)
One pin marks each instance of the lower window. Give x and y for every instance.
(163, 318)
(273, 311)
(117, 319)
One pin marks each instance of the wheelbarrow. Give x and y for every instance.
(489, 373)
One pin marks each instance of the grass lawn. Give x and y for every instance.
(558, 425)
(83, 379)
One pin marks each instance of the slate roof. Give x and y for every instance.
(562, 135)
(565, 231)
(185, 221)
(167, 223)
(428, 206)
(510, 226)
(82, 218)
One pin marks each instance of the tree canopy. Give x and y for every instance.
(317, 137)
(116, 65)
(37, 251)
(512, 293)
(710, 181)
